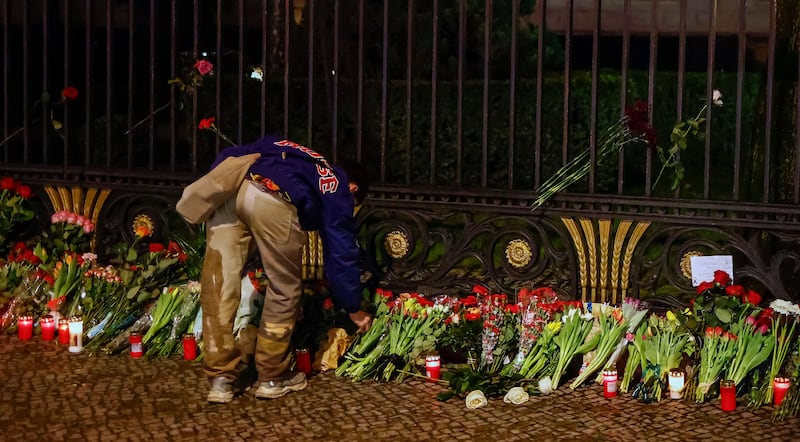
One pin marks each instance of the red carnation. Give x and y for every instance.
(206, 123)
(155, 247)
(7, 183)
(23, 190)
(69, 93)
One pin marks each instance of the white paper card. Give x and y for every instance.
(703, 267)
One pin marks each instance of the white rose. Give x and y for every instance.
(716, 97)
(476, 399)
(546, 385)
(516, 396)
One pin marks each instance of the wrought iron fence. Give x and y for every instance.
(460, 108)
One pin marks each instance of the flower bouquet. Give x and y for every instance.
(68, 232)
(14, 209)
(172, 314)
(614, 324)
(571, 339)
(753, 346)
(660, 344)
(783, 317)
(718, 350)
(535, 314)
(463, 330)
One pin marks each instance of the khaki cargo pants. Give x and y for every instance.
(254, 219)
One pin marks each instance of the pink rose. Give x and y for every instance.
(88, 227)
(72, 218)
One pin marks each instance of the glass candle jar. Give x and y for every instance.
(63, 331)
(48, 326)
(25, 327)
(610, 383)
(136, 345)
(676, 384)
(433, 367)
(303, 359)
(189, 347)
(727, 395)
(780, 386)
(75, 334)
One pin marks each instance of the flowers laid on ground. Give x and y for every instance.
(615, 323)
(514, 346)
(14, 210)
(660, 343)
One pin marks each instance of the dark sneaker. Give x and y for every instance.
(295, 381)
(221, 391)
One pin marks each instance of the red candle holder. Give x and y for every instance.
(303, 360)
(433, 367)
(48, 325)
(727, 395)
(24, 327)
(189, 347)
(610, 379)
(63, 331)
(136, 345)
(780, 386)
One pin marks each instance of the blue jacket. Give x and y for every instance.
(323, 200)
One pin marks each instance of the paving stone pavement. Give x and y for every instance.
(48, 394)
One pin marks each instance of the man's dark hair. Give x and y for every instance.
(356, 173)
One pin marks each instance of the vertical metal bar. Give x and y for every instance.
(67, 10)
(129, 116)
(487, 48)
(335, 116)
(537, 172)
(623, 88)
(796, 196)
(4, 6)
(360, 91)
(712, 40)
(45, 86)
(264, 64)
(108, 91)
(173, 49)
(25, 95)
(596, 6)
(737, 142)
(151, 86)
(681, 71)
(195, 32)
(651, 77)
(512, 93)
(409, 85)
(88, 96)
(286, 24)
(310, 80)
(567, 51)
(434, 81)
(240, 98)
(218, 76)
(462, 30)
(773, 14)
(384, 87)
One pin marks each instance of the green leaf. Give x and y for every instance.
(723, 314)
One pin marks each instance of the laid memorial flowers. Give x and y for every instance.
(14, 210)
(660, 344)
(576, 325)
(614, 324)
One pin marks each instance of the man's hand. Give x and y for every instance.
(361, 319)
